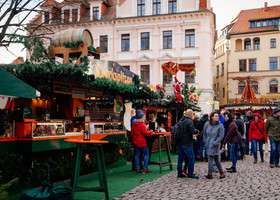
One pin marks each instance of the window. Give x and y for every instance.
(145, 41)
(270, 22)
(273, 63)
(259, 24)
(273, 43)
(167, 78)
(167, 39)
(156, 7)
(103, 43)
(126, 66)
(190, 38)
(273, 86)
(223, 69)
(252, 24)
(264, 23)
(255, 86)
(125, 42)
(95, 13)
(74, 15)
(141, 8)
(189, 77)
(172, 6)
(247, 45)
(252, 65)
(241, 87)
(242, 65)
(218, 71)
(66, 16)
(256, 44)
(47, 17)
(145, 73)
(224, 92)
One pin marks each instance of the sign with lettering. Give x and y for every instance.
(64, 88)
(78, 93)
(111, 70)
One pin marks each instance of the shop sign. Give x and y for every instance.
(111, 70)
(78, 93)
(64, 88)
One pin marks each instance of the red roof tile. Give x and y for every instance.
(51, 3)
(241, 22)
(18, 60)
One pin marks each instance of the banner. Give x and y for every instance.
(173, 68)
(186, 67)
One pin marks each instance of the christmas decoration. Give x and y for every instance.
(160, 90)
(177, 89)
(186, 67)
(173, 68)
(73, 44)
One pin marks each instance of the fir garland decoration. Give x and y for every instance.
(91, 48)
(73, 44)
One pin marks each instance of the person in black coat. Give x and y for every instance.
(200, 126)
(248, 119)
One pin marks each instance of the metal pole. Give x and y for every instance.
(32, 125)
(14, 127)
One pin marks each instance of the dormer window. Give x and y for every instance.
(95, 13)
(74, 15)
(264, 23)
(47, 18)
(66, 16)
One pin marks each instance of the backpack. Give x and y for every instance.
(176, 132)
(240, 146)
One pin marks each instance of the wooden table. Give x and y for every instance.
(97, 146)
(161, 163)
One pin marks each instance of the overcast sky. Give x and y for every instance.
(226, 11)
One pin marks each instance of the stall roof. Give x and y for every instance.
(12, 86)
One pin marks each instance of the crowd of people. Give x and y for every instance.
(223, 136)
(215, 137)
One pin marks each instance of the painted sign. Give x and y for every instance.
(111, 70)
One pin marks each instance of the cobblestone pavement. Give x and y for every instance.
(252, 181)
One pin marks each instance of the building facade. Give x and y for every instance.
(249, 46)
(143, 34)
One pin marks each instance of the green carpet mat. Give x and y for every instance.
(120, 180)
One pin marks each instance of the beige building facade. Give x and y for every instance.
(249, 46)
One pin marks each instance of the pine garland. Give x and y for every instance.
(73, 44)
(91, 48)
(248, 104)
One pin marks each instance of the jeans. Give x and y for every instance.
(274, 152)
(255, 148)
(188, 152)
(137, 157)
(211, 165)
(233, 154)
(247, 144)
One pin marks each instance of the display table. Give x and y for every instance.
(97, 146)
(151, 140)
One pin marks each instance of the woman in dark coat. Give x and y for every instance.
(213, 134)
(231, 138)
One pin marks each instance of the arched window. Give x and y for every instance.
(238, 45)
(256, 43)
(255, 86)
(273, 86)
(241, 87)
(247, 44)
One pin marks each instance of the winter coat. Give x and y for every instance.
(200, 126)
(248, 119)
(212, 137)
(254, 132)
(139, 133)
(240, 125)
(187, 133)
(272, 127)
(231, 135)
(222, 119)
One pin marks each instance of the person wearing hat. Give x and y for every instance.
(138, 134)
(272, 128)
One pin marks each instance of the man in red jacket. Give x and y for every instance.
(138, 134)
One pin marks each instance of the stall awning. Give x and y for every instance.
(12, 86)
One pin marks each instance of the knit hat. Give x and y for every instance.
(139, 114)
(238, 114)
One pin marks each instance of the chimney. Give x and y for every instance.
(265, 6)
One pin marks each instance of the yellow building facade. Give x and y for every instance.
(249, 46)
